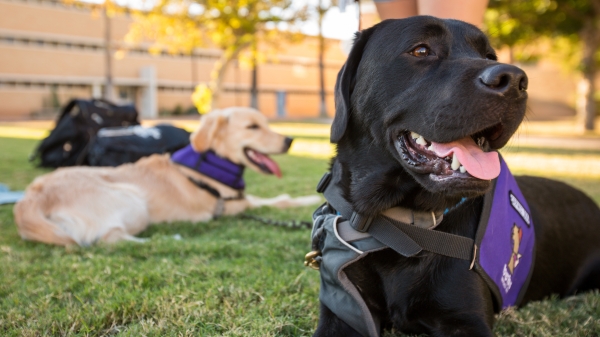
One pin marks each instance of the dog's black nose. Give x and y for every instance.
(287, 142)
(502, 78)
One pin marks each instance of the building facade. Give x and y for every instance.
(51, 52)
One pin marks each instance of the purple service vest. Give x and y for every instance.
(211, 165)
(506, 240)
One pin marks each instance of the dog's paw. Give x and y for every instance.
(283, 201)
(136, 239)
(307, 200)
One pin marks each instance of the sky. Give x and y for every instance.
(336, 25)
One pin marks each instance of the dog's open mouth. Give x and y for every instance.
(462, 158)
(263, 162)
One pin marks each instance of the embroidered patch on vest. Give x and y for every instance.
(514, 201)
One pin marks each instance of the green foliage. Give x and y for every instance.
(502, 28)
(232, 26)
(180, 26)
(535, 28)
(566, 29)
(54, 100)
(178, 110)
(516, 21)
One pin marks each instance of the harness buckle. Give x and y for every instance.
(324, 182)
(313, 259)
(360, 223)
(219, 208)
(474, 257)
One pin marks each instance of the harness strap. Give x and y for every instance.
(220, 206)
(213, 191)
(442, 243)
(406, 239)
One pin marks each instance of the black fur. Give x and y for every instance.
(458, 90)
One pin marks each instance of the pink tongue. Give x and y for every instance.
(479, 164)
(268, 162)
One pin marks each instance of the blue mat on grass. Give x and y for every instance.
(9, 197)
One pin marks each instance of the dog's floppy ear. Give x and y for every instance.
(210, 123)
(345, 84)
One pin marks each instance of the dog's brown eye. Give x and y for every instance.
(421, 51)
(253, 126)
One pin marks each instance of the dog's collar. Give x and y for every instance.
(211, 165)
(427, 220)
(220, 206)
(405, 231)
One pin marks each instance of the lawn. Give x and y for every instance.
(227, 277)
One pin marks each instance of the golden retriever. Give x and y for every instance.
(84, 205)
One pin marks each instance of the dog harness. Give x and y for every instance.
(501, 252)
(216, 167)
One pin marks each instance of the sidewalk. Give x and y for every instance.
(547, 134)
(576, 143)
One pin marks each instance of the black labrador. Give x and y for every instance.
(405, 85)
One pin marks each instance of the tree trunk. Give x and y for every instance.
(323, 107)
(254, 84)
(586, 103)
(194, 71)
(219, 70)
(108, 84)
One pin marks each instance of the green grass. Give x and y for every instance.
(227, 277)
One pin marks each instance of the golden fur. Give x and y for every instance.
(83, 205)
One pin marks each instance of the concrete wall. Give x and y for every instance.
(46, 44)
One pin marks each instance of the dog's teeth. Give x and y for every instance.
(421, 141)
(414, 135)
(455, 163)
(462, 169)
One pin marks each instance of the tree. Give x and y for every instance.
(179, 26)
(254, 80)
(108, 9)
(108, 87)
(322, 8)
(571, 23)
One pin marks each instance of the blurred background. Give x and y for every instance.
(154, 55)
(173, 57)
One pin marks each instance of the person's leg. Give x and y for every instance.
(396, 9)
(470, 11)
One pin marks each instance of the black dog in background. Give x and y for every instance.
(440, 79)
